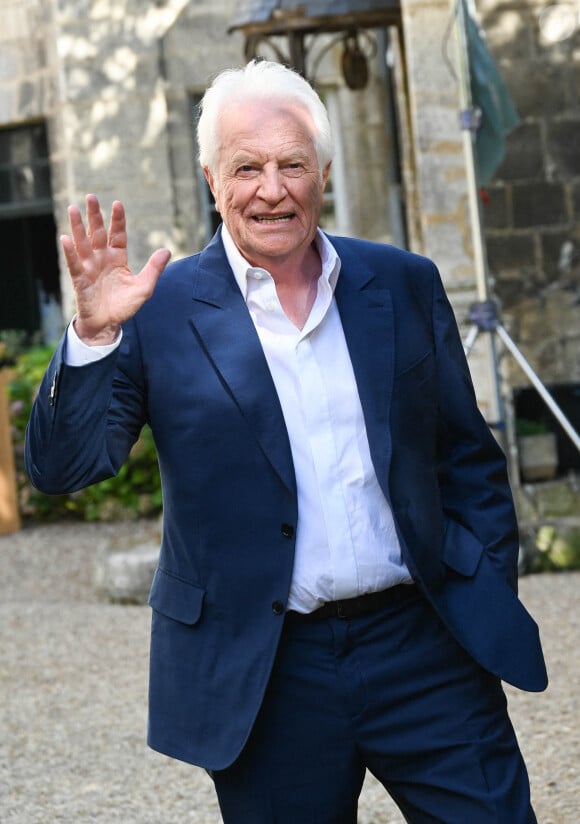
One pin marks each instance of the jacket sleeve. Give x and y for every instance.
(83, 423)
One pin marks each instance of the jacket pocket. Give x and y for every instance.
(175, 598)
(461, 550)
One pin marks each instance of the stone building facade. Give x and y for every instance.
(114, 83)
(99, 95)
(532, 215)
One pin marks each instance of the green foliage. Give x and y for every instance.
(134, 492)
(556, 550)
(526, 427)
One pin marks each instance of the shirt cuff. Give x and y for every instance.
(78, 353)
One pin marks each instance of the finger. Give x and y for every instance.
(77, 228)
(117, 226)
(151, 272)
(96, 226)
(71, 257)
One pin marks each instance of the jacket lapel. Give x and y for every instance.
(366, 312)
(224, 326)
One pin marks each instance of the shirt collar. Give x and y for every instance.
(241, 268)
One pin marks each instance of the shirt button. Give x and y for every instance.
(287, 530)
(277, 607)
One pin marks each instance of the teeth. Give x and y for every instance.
(277, 219)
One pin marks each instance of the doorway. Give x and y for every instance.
(29, 272)
(29, 285)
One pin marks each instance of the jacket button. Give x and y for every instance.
(277, 607)
(287, 530)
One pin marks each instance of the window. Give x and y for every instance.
(30, 277)
(24, 169)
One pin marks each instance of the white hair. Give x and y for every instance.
(258, 80)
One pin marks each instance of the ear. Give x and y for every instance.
(325, 173)
(211, 183)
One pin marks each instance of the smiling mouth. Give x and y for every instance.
(273, 218)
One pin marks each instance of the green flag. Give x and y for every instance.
(490, 95)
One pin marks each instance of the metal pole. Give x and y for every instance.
(547, 398)
(470, 340)
(469, 128)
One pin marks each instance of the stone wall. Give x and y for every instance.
(532, 217)
(441, 210)
(532, 225)
(529, 213)
(26, 88)
(114, 79)
(112, 123)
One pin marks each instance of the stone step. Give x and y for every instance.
(125, 577)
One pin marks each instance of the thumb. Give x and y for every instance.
(154, 267)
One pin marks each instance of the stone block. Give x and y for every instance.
(557, 499)
(439, 128)
(496, 211)
(7, 104)
(538, 88)
(538, 456)
(425, 27)
(447, 243)
(508, 252)
(539, 204)
(524, 157)
(15, 22)
(560, 254)
(508, 32)
(563, 143)
(444, 182)
(9, 63)
(125, 577)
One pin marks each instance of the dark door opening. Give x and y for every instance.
(29, 279)
(29, 271)
(529, 406)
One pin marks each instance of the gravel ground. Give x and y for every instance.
(73, 688)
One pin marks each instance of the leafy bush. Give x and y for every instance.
(556, 549)
(135, 492)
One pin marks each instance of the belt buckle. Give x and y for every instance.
(349, 608)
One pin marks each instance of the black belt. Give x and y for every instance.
(352, 607)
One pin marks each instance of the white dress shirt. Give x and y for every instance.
(346, 544)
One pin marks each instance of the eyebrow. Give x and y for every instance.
(242, 159)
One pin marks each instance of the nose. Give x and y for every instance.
(272, 186)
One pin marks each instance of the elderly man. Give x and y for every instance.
(336, 588)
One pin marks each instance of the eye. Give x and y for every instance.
(246, 170)
(293, 169)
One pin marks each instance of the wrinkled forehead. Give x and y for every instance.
(245, 119)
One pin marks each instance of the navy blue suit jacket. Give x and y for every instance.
(191, 365)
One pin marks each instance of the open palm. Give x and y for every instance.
(107, 292)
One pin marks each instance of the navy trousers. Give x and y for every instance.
(391, 692)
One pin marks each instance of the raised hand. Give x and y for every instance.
(107, 292)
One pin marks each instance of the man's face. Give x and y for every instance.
(267, 185)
